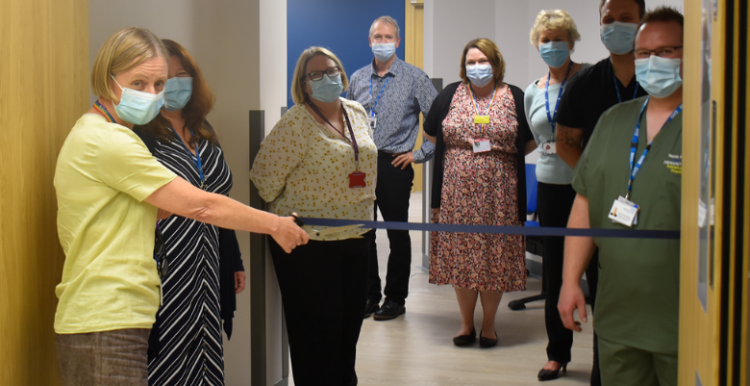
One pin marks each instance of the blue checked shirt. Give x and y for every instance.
(408, 92)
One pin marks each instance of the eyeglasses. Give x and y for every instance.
(662, 52)
(318, 75)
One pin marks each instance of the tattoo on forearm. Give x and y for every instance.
(571, 138)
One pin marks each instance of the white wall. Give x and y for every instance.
(449, 25)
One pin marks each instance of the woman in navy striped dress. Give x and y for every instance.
(186, 343)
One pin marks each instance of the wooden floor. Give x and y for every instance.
(417, 348)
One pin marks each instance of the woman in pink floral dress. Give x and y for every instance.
(481, 135)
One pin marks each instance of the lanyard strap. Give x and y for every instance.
(636, 167)
(99, 107)
(552, 118)
(476, 109)
(353, 139)
(196, 159)
(372, 110)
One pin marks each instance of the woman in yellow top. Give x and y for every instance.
(320, 161)
(108, 190)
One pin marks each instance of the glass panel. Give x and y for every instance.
(706, 201)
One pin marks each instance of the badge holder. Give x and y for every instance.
(549, 148)
(624, 212)
(481, 145)
(373, 121)
(357, 179)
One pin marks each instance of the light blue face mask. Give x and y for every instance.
(660, 77)
(138, 107)
(618, 37)
(383, 51)
(555, 54)
(327, 89)
(480, 75)
(177, 93)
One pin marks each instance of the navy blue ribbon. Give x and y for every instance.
(507, 230)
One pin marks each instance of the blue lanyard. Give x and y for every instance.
(635, 168)
(196, 159)
(552, 118)
(372, 110)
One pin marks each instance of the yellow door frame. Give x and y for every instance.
(414, 55)
(713, 343)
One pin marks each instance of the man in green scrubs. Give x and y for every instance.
(629, 177)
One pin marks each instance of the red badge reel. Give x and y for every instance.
(357, 180)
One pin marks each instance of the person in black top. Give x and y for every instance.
(593, 91)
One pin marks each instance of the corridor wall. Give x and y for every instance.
(43, 91)
(449, 25)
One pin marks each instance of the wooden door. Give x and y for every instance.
(43, 91)
(714, 247)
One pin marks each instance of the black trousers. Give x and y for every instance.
(553, 206)
(323, 287)
(393, 192)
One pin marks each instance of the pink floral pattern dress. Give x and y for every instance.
(479, 189)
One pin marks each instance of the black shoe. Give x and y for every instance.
(465, 340)
(548, 375)
(487, 342)
(370, 307)
(390, 310)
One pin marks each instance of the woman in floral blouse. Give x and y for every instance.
(320, 161)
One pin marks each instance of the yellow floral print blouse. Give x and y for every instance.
(303, 167)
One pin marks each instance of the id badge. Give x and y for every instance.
(482, 119)
(357, 180)
(373, 121)
(481, 145)
(549, 148)
(624, 212)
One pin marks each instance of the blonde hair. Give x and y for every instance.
(299, 96)
(490, 50)
(552, 20)
(123, 51)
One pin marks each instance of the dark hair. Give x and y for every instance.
(664, 14)
(195, 111)
(641, 7)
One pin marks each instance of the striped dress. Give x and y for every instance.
(189, 321)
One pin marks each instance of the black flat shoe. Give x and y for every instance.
(465, 340)
(487, 342)
(548, 375)
(390, 310)
(371, 306)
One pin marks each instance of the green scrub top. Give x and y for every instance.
(639, 279)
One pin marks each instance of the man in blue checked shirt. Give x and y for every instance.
(393, 93)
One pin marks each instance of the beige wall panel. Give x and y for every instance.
(43, 91)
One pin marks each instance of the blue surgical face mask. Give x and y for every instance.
(480, 75)
(383, 51)
(660, 77)
(177, 93)
(618, 37)
(555, 54)
(327, 89)
(138, 107)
